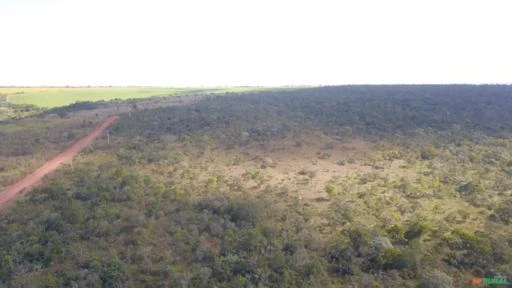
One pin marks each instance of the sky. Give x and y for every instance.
(257, 43)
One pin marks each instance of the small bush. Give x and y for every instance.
(416, 230)
(428, 153)
(436, 279)
(396, 233)
(470, 189)
(504, 212)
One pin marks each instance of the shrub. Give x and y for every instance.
(113, 274)
(435, 279)
(428, 153)
(394, 258)
(504, 212)
(359, 238)
(330, 190)
(470, 189)
(342, 260)
(378, 246)
(396, 233)
(469, 250)
(417, 229)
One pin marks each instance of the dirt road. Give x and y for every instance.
(21, 186)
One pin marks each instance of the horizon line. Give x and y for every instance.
(257, 86)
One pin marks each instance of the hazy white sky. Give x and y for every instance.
(262, 42)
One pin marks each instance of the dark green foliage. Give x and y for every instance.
(469, 250)
(359, 238)
(6, 265)
(394, 258)
(470, 189)
(504, 211)
(78, 106)
(241, 213)
(342, 259)
(113, 274)
(436, 279)
(417, 229)
(472, 192)
(397, 234)
(428, 153)
(367, 111)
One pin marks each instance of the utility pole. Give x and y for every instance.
(108, 136)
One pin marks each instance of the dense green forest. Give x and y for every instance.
(351, 186)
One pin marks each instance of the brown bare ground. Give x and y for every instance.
(18, 188)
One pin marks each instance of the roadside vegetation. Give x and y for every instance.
(25, 144)
(353, 186)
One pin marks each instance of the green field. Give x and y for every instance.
(50, 97)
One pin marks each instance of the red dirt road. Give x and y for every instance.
(12, 191)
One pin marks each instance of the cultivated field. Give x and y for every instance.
(50, 97)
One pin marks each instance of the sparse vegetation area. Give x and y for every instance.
(354, 186)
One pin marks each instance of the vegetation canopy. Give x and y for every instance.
(351, 186)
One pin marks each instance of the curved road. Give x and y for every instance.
(21, 186)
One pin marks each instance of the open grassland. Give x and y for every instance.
(50, 97)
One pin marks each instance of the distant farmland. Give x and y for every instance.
(49, 97)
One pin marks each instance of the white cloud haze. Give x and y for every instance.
(216, 43)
